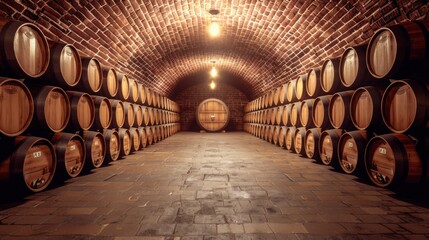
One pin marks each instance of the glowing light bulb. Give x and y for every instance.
(214, 28)
(212, 85)
(213, 72)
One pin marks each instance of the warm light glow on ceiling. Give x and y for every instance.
(213, 72)
(212, 85)
(214, 28)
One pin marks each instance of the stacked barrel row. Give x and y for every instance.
(61, 113)
(364, 113)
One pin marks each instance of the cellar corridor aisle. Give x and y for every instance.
(215, 186)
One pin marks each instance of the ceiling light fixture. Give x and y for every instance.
(214, 28)
(212, 85)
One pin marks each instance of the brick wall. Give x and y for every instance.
(189, 99)
(266, 42)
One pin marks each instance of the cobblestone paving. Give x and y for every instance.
(195, 186)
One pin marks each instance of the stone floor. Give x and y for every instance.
(215, 186)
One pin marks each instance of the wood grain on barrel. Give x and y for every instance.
(382, 53)
(38, 166)
(399, 107)
(362, 109)
(70, 65)
(212, 115)
(56, 109)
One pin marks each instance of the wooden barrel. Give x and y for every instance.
(24, 50)
(294, 114)
(351, 152)
(279, 115)
(353, 70)
(273, 115)
(138, 110)
(320, 112)
(91, 80)
(276, 135)
(118, 114)
(143, 137)
(95, 145)
(65, 66)
(156, 113)
(313, 86)
(404, 106)
(365, 109)
(330, 78)
(328, 145)
(305, 115)
(271, 98)
(149, 134)
(154, 98)
(113, 144)
(298, 140)
(70, 152)
(271, 130)
(129, 115)
(125, 142)
(135, 139)
(16, 107)
(300, 90)
(82, 112)
(212, 115)
(289, 138)
(311, 143)
(282, 94)
(124, 87)
(134, 91)
(267, 100)
(28, 163)
(146, 117)
(397, 50)
(102, 113)
(158, 133)
(51, 108)
(110, 86)
(142, 94)
(276, 96)
(260, 103)
(286, 115)
(392, 160)
(151, 116)
(282, 135)
(155, 134)
(339, 110)
(267, 133)
(148, 96)
(290, 91)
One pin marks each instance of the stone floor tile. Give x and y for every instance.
(287, 227)
(209, 219)
(230, 228)
(256, 228)
(324, 228)
(195, 229)
(156, 229)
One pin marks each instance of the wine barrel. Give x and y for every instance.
(148, 96)
(16, 107)
(320, 112)
(65, 66)
(330, 78)
(276, 134)
(24, 51)
(282, 94)
(91, 80)
(154, 99)
(212, 115)
(328, 145)
(351, 152)
(155, 134)
(279, 115)
(353, 70)
(311, 143)
(151, 116)
(156, 115)
(118, 114)
(270, 137)
(286, 115)
(299, 145)
(124, 87)
(267, 100)
(282, 135)
(102, 113)
(404, 106)
(295, 114)
(136, 139)
(95, 145)
(52, 108)
(158, 133)
(339, 110)
(70, 152)
(276, 96)
(138, 110)
(365, 109)
(271, 98)
(300, 90)
(29, 163)
(110, 85)
(392, 160)
(305, 115)
(146, 117)
(125, 142)
(142, 93)
(289, 138)
(397, 51)
(273, 115)
(143, 137)
(129, 115)
(149, 134)
(266, 136)
(313, 86)
(134, 91)
(290, 92)
(113, 144)
(82, 112)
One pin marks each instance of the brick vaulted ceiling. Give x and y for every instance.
(263, 43)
